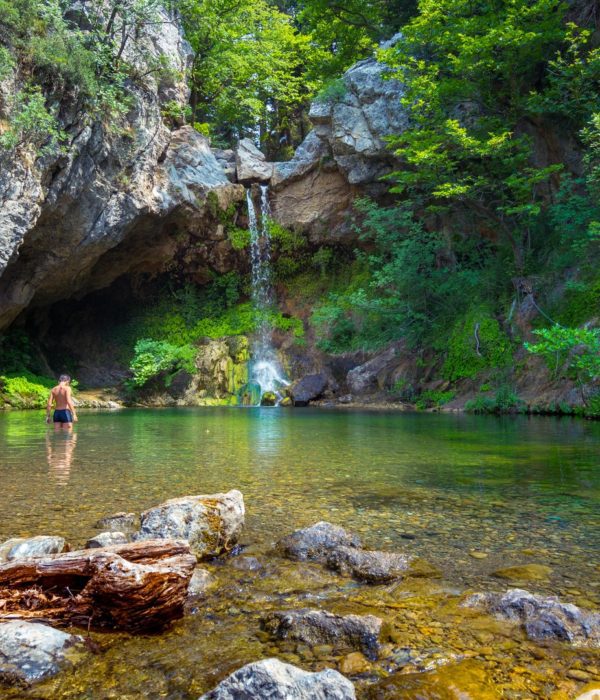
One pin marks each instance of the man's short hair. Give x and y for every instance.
(64, 378)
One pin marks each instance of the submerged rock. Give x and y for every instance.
(542, 617)
(199, 583)
(309, 388)
(316, 542)
(314, 627)
(106, 539)
(526, 572)
(31, 651)
(377, 567)
(29, 547)
(212, 524)
(274, 680)
(119, 522)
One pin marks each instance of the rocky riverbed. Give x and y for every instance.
(327, 617)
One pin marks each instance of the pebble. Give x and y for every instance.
(478, 555)
(578, 675)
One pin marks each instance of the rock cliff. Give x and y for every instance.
(115, 199)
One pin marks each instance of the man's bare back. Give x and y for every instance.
(64, 409)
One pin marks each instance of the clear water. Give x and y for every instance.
(517, 490)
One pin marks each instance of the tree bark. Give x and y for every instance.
(136, 587)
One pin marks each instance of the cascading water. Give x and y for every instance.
(265, 370)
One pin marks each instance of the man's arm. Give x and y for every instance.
(71, 405)
(49, 406)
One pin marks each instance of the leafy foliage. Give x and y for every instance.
(572, 350)
(155, 356)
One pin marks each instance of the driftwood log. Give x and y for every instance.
(137, 587)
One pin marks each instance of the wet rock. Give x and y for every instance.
(28, 547)
(354, 663)
(119, 522)
(269, 398)
(316, 542)
(370, 376)
(211, 524)
(286, 401)
(105, 539)
(274, 680)
(315, 627)
(309, 388)
(526, 572)
(252, 166)
(246, 564)
(467, 679)
(199, 583)
(31, 651)
(542, 618)
(377, 567)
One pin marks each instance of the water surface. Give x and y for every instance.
(511, 490)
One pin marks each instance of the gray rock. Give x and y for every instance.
(308, 156)
(119, 522)
(316, 542)
(542, 617)
(31, 651)
(251, 163)
(106, 539)
(212, 524)
(377, 567)
(199, 583)
(369, 377)
(271, 679)
(342, 632)
(28, 547)
(308, 388)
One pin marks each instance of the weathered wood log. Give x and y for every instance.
(137, 586)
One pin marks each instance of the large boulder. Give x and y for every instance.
(31, 651)
(271, 679)
(314, 627)
(308, 388)
(119, 522)
(28, 547)
(542, 617)
(211, 524)
(370, 376)
(252, 166)
(378, 567)
(316, 542)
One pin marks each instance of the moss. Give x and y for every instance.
(477, 343)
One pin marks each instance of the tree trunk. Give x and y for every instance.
(136, 587)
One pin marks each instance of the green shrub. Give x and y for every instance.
(152, 357)
(333, 91)
(31, 122)
(575, 351)
(25, 390)
(434, 399)
(504, 401)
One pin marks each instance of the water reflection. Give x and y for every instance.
(60, 448)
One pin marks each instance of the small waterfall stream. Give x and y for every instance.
(265, 369)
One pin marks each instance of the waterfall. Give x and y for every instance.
(265, 370)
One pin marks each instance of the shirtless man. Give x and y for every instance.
(64, 409)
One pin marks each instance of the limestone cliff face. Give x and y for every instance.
(344, 155)
(115, 200)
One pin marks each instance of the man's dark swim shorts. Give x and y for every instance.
(63, 416)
